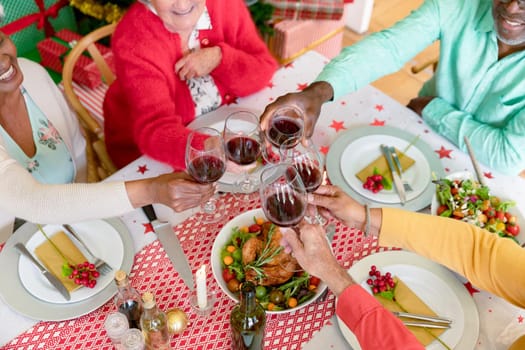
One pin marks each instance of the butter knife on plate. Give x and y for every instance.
(171, 244)
(395, 176)
(55, 282)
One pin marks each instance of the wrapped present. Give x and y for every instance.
(54, 50)
(307, 9)
(293, 38)
(28, 22)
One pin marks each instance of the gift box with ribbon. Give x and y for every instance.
(54, 50)
(28, 22)
(307, 9)
(293, 38)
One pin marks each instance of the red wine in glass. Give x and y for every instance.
(285, 129)
(206, 168)
(310, 174)
(243, 150)
(285, 209)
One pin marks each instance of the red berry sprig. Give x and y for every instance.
(381, 284)
(374, 183)
(84, 274)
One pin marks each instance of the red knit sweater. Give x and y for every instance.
(147, 108)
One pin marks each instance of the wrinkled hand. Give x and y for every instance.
(419, 103)
(198, 63)
(309, 101)
(332, 201)
(310, 248)
(179, 192)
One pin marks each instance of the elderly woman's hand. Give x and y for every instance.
(309, 101)
(198, 63)
(180, 192)
(311, 249)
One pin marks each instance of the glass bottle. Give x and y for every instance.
(153, 324)
(247, 321)
(128, 299)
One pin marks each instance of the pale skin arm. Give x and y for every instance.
(176, 191)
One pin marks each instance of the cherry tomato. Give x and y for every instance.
(254, 228)
(513, 230)
(441, 209)
(314, 281)
(490, 212)
(500, 216)
(227, 275)
(511, 219)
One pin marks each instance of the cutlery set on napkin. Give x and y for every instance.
(390, 164)
(49, 261)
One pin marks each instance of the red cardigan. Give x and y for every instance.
(147, 108)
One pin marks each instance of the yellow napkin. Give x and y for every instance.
(53, 261)
(412, 304)
(382, 166)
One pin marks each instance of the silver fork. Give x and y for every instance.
(406, 185)
(100, 264)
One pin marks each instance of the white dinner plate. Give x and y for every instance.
(435, 285)
(101, 238)
(340, 145)
(215, 120)
(352, 161)
(19, 299)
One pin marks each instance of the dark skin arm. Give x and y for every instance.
(309, 101)
(419, 103)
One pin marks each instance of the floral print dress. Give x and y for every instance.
(52, 162)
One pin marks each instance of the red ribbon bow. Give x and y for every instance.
(41, 19)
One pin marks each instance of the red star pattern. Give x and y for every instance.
(148, 228)
(488, 175)
(377, 122)
(443, 152)
(337, 126)
(520, 319)
(379, 108)
(470, 288)
(301, 87)
(142, 169)
(289, 65)
(324, 149)
(270, 84)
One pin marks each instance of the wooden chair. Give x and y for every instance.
(98, 161)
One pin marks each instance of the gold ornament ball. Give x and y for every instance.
(177, 321)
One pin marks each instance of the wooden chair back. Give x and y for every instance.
(98, 161)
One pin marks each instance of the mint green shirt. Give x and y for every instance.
(476, 95)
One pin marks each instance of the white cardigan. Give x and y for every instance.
(22, 196)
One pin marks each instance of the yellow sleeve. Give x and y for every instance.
(488, 261)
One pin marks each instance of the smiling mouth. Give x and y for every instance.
(7, 74)
(183, 12)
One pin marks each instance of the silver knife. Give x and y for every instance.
(171, 244)
(48, 275)
(479, 173)
(395, 176)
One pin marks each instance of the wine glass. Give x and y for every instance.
(206, 163)
(243, 147)
(283, 195)
(309, 162)
(285, 126)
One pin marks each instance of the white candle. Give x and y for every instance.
(202, 294)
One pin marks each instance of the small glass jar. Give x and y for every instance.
(133, 339)
(116, 325)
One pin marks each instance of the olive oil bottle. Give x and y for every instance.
(153, 324)
(247, 321)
